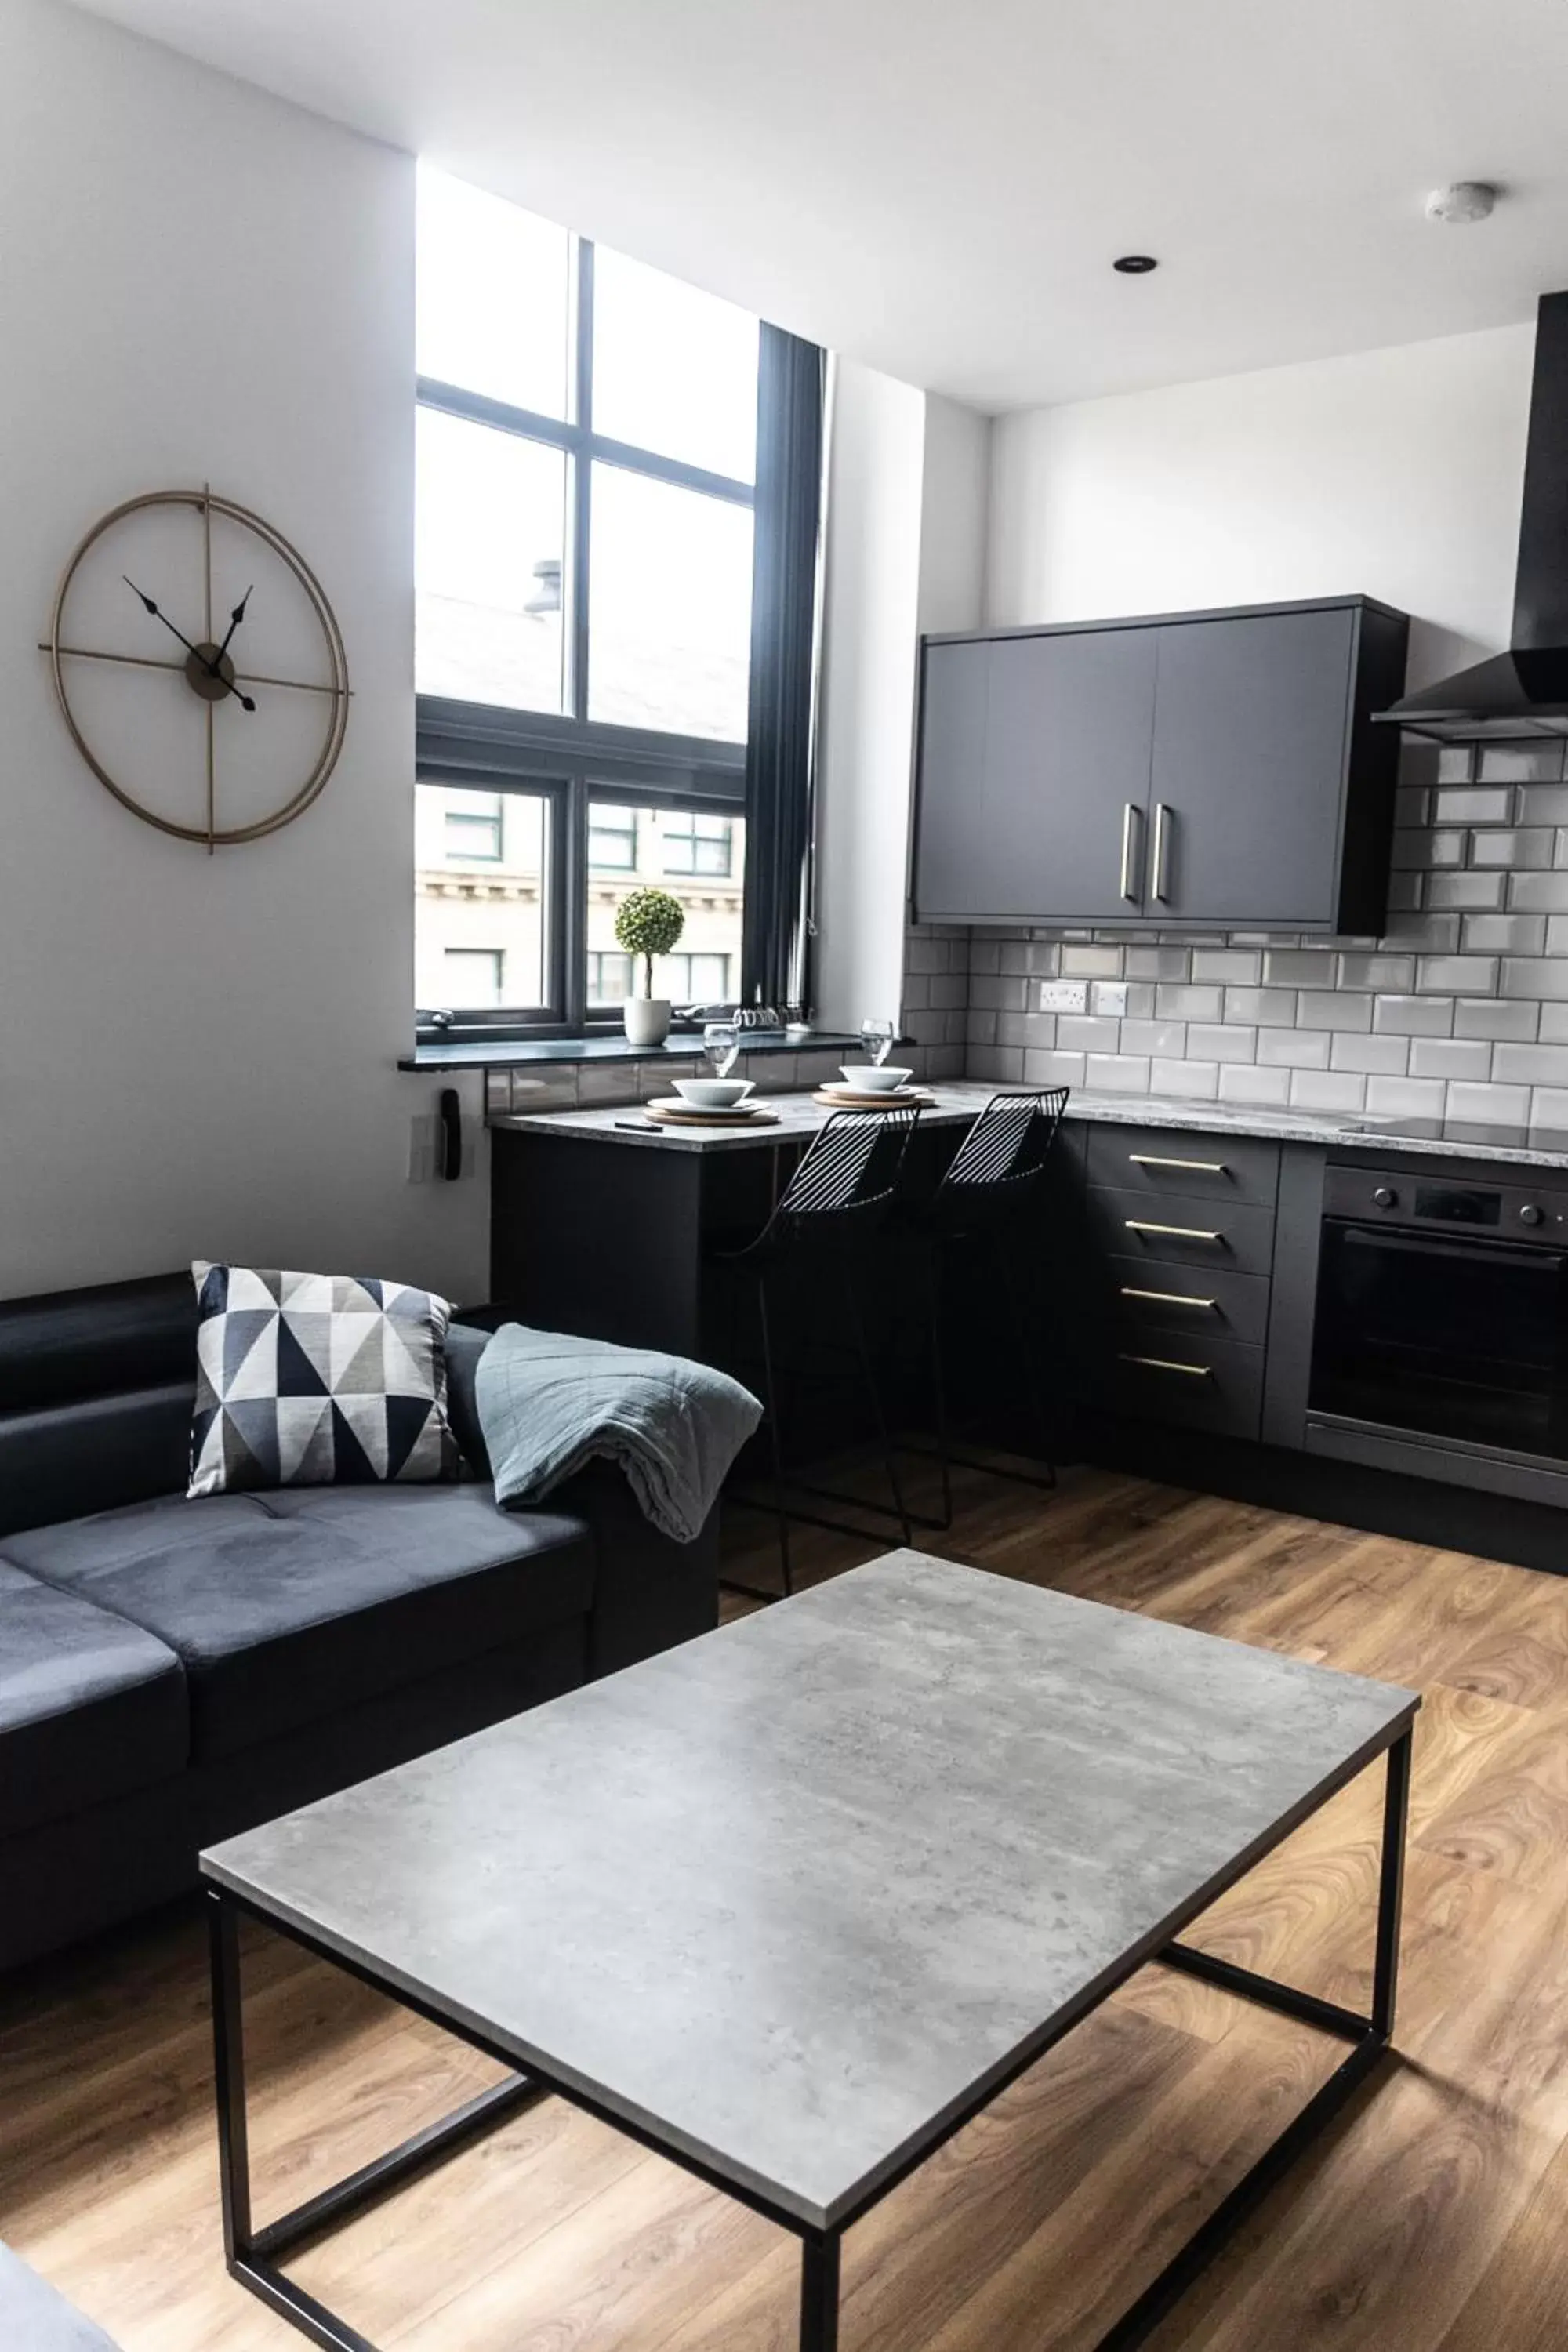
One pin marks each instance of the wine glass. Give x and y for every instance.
(721, 1046)
(876, 1041)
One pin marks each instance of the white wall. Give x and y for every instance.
(955, 499)
(876, 473)
(1394, 473)
(197, 281)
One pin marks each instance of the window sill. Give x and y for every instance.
(513, 1053)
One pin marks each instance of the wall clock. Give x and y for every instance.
(252, 701)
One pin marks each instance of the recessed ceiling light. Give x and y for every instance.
(1135, 265)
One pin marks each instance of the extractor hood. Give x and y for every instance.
(1521, 696)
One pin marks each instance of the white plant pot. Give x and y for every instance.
(647, 1019)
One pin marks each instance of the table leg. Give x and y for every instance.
(1391, 1890)
(819, 2293)
(228, 2064)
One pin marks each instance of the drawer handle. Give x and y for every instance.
(1163, 1364)
(1179, 1232)
(1198, 1167)
(1171, 1299)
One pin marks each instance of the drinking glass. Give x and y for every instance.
(876, 1041)
(721, 1046)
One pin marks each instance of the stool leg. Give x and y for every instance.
(939, 1378)
(776, 1430)
(890, 1461)
(1022, 1337)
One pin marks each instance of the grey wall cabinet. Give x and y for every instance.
(1214, 769)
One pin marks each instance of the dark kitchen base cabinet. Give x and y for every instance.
(1211, 769)
(1208, 1315)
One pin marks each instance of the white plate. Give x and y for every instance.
(690, 1110)
(869, 1094)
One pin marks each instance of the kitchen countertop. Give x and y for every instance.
(800, 1115)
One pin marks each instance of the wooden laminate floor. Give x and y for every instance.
(1432, 2219)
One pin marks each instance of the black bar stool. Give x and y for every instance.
(991, 1180)
(828, 1215)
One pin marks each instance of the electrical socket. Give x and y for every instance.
(1064, 996)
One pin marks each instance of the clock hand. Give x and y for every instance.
(235, 619)
(211, 668)
(157, 615)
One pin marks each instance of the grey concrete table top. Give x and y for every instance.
(791, 1895)
(960, 1100)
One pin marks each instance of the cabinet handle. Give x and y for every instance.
(1182, 1232)
(1129, 813)
(1171, 1299)
(1158, 888)
(1163, 1364)
(1199, 1167)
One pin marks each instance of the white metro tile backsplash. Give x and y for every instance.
(1461, 1011)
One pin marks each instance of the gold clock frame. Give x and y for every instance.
(207, 503)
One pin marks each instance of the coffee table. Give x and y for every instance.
(792, 1902)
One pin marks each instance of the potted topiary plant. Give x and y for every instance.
(647, 924)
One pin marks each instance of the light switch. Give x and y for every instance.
(1111, 996)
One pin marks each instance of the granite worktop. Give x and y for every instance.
(800, 1115)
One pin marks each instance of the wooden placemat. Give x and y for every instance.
(707, 1118)
(918, 1097)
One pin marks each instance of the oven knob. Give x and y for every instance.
(1385, 1197)
(1530, 1216)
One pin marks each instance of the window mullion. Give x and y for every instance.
(580, 534)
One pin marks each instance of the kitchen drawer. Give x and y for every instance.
(1177, 1229)
(1213, 1384)
(1160, 1159)
(1188, 1302)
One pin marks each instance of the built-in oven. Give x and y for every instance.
(1442, 1312)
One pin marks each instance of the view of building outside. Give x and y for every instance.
(670, 591)
(479, 929)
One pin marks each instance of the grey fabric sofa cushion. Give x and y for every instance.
(90, 1709)
(34, 2318)
(285, 1607)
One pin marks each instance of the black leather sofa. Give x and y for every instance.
(173, 1672)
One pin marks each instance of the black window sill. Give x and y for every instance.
(513, 1053)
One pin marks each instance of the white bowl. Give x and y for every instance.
(713, 1094)
(869, 1080)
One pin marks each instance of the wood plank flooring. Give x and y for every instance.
(1432, 2219)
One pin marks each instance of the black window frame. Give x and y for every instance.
(570, 758)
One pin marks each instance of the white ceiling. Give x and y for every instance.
(940, 189)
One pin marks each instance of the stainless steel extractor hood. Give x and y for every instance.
(1520, 696)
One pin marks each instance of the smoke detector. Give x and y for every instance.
(1466, 201)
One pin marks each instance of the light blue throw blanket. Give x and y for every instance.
(549, 1402)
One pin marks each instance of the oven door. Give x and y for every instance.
(1464, 1340)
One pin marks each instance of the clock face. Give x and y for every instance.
(199, 667)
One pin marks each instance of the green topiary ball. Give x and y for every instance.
(647, 924)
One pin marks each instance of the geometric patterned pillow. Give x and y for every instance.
(317, 1379)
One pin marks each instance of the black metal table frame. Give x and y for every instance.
(254, 2253)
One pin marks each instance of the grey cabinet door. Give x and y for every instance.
(1069, 741)
(1251, 728)
(956, 687)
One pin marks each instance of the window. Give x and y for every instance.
(586, 455)
(481, 936)
(697, 845)
(613, 840)
(477, 975)
(705, 967)
(473, 829)
(609, 977)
